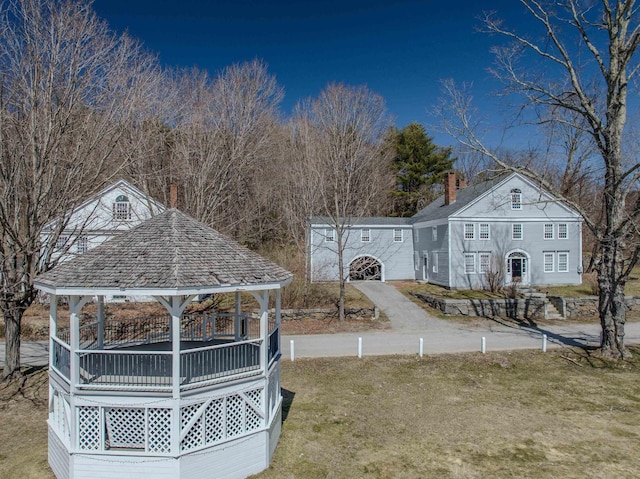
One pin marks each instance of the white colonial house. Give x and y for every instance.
(507, 225)
(106, 214)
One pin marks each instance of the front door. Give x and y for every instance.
(516, 270)
(425, 267)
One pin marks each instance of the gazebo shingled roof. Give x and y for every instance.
(168, 251)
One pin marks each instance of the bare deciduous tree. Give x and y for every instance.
(587, 50)
(494, 276)
(222, 139)
(342, 156)
(68, 88)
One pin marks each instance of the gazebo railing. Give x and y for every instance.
(274, 345)
(153, 369)
(61, 357)
(125, 368)
(128, 358)
(221, 361)
(156, 329)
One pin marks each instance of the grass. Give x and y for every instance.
(442, 292)
(589, 286)
(502, 415)
(524, 414)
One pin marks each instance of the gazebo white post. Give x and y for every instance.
(53, 325)
(75, 305)
(278, 308)
(74, 342)
(264, 356)
(175, 307)
(175, 346)
(238, 319)
(263, 300)
(100, 322)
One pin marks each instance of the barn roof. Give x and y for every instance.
(361, 221)
(170, 251)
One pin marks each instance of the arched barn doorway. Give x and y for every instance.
(365, 268)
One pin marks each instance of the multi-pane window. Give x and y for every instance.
(563, 262)
(548, 262)
(61, 242)
(469, 263)
(485, 262)
(82, 245)
(516, 231)
(122, 208)
(516, 199)
(563, 231)
(469, 231)
(434, 233)
(434, 262)
(365, 235)
(484, 231)
(548, 231)
(329, 235)
(397, 235)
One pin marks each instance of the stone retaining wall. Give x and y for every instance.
(322, 314)
(586, 306)
(526, 308)
(523, 308)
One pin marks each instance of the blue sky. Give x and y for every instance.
(400, 49)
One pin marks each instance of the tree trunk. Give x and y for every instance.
(612, 308)
(12, 320)
(342, 277)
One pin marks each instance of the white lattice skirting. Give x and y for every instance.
(202, 424)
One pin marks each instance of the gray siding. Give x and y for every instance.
(436, 252)
(396, 257)
(489, 203)
(532, 246)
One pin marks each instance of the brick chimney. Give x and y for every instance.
(450, 188)
(173, 202)
(462, 184)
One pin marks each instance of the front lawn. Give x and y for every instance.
(524, 414)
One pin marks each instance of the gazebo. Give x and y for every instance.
(178, 395)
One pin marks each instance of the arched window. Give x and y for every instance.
(516, 199)
(122, 208)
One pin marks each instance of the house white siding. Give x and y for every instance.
(97, 219)
(115, 209)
